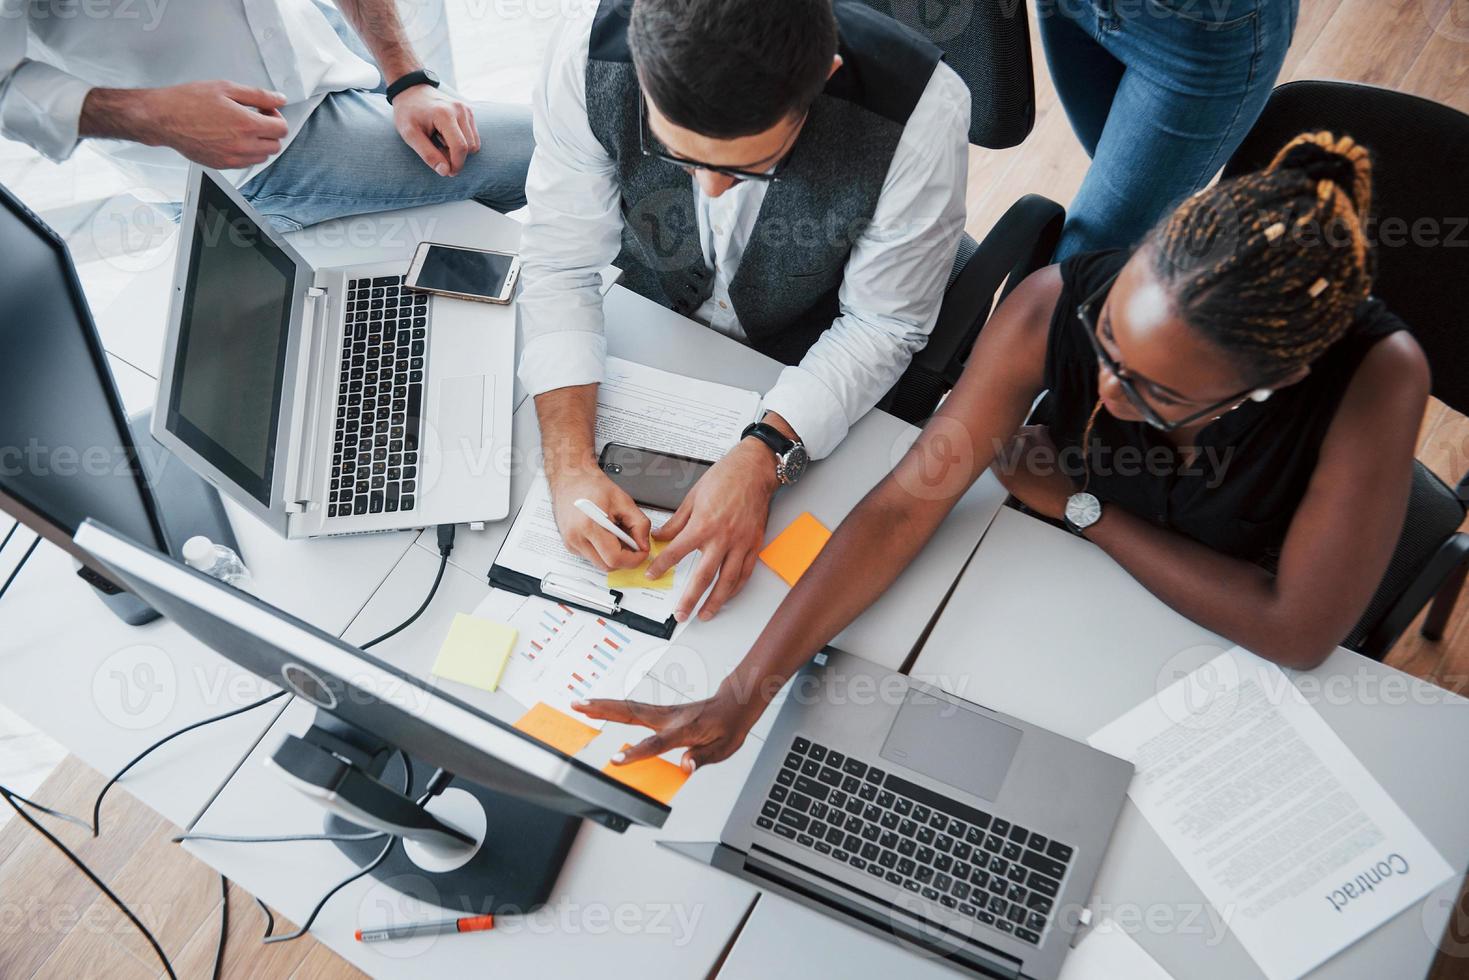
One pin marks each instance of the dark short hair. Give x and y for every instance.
(732, 68)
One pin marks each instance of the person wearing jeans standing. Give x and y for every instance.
(1160, 93)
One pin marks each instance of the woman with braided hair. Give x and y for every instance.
(1229, 414)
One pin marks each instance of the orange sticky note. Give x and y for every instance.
(637, 578)
(795, 548)
(656, 777)
(557, 729)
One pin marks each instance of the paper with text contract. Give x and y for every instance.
(1280, 825)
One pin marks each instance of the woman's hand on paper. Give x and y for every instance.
(723, 517)
(582, 535)
(711, 730)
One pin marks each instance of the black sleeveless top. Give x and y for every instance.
(1239, 494)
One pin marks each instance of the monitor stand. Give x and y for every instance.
(511, 869)
(186, 505)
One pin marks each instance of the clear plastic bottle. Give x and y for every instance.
(217, 561)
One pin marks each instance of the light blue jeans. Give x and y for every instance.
(349, 159)
(1160, 93)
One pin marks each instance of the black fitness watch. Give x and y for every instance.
(790, 455)
(423, 76)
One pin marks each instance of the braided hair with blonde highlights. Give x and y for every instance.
(1272, 266)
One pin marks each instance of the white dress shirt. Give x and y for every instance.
(889, 298)
(53, 52)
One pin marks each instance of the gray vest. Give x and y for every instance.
(785, 292)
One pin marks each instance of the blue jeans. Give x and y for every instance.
(1160, 93)
(349, 159)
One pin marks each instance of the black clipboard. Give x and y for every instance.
(581, 594)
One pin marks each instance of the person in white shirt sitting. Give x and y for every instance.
(263, 90)
(789, 174)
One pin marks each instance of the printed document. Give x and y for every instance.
(1284, 830)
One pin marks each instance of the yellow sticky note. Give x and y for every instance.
(655, 777)
(475, 652)
(795, 548)
(557, 729)
(636, 578)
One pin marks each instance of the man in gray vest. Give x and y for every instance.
(789, 173)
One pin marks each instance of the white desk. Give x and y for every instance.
(604, 870)
(1046, 627)
(105, 690)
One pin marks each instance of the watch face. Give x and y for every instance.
(1083, 510)
(793, 464)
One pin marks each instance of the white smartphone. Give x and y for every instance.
(464, 273)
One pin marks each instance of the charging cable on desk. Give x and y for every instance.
(15, 572)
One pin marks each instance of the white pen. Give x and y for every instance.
(600, 518)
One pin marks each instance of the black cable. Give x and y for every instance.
(52, 813)
(23, 559)
(9, 534)
(366, 870)
(82, 867)
(224, 925)
(446, 546)
(97, 806)
(281, 839)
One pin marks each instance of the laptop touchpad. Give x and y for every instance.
(461, 419)
(954, 744)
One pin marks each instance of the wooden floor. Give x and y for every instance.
(53, 923)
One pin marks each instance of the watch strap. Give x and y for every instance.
(421, 76)
(778, 441)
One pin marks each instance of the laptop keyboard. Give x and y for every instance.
(379, 399)
(981, 865)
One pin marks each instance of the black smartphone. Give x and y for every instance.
(650, 478)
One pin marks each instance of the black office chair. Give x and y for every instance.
(1420, 154)
(988, 43)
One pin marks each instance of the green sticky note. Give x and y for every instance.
(475, 652)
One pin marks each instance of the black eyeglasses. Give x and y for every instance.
(1087, 314)
(652, 148)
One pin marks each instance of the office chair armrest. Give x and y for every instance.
(1462, 490)
(1419, 593)
(1022, 241)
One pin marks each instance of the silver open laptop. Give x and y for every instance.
(329, 401)
(968, 835)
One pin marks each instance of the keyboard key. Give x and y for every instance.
(1030, 937)
(800, 746)
(1039, 903)
(793, 819)
(770, 809)
(835, 759)
(764, 823)
(817, 752)
(810, 767)
(1019, 834)
(1039, 843)
(1058, 850)
(1001, 827)
(1040, 883)
(785, 777)
(1049, 867)
(799, 802)
(785, 831)
(811, 788)
(829, 776)
(854, 768)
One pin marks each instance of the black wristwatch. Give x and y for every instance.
(423, 76)
(790, 455)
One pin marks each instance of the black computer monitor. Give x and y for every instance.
(530, 795)
(67, 449)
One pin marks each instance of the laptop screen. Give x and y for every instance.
(230, 364)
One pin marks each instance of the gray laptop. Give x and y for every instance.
(971, 836)
(329, 401)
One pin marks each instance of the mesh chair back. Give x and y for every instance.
(1420, 204)
(988, 43)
